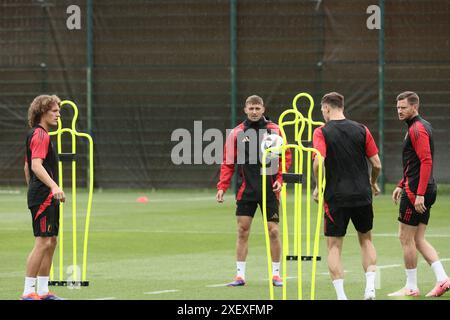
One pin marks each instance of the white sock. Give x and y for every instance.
(439, 271)
(240, 267)
(42, 285)
(30, 285)
(370, 281)
(339, 287)
(411, 279)
(276, 268)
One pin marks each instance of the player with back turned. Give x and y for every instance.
(346, 145)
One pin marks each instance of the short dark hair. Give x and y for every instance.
(333, 99)
(254, 99)
(410, 96)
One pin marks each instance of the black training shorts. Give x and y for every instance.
(46, 219)
(407, 212)
(248, 208)
(336, 219)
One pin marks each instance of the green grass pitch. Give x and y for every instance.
(181, 246)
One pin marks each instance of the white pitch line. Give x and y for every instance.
(106, 298)
(225, 284)
(9, 191)
(266, 279)
(162, 291)
(396, 235)
(217, 285)
(389, 266)
(401, 265)
(327, 273)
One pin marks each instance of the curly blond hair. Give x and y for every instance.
(40, 105)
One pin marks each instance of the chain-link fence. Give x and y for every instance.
(161, 65)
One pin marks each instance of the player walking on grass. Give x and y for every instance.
(249, 194)
(44, 194)
(417, 193)
(346, 145)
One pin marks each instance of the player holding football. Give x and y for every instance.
(249, 193)
(44, 194)
(346, 145)
(417, 193)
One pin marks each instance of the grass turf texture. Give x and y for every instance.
(181, 245)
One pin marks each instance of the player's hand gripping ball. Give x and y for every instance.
(272, 141)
